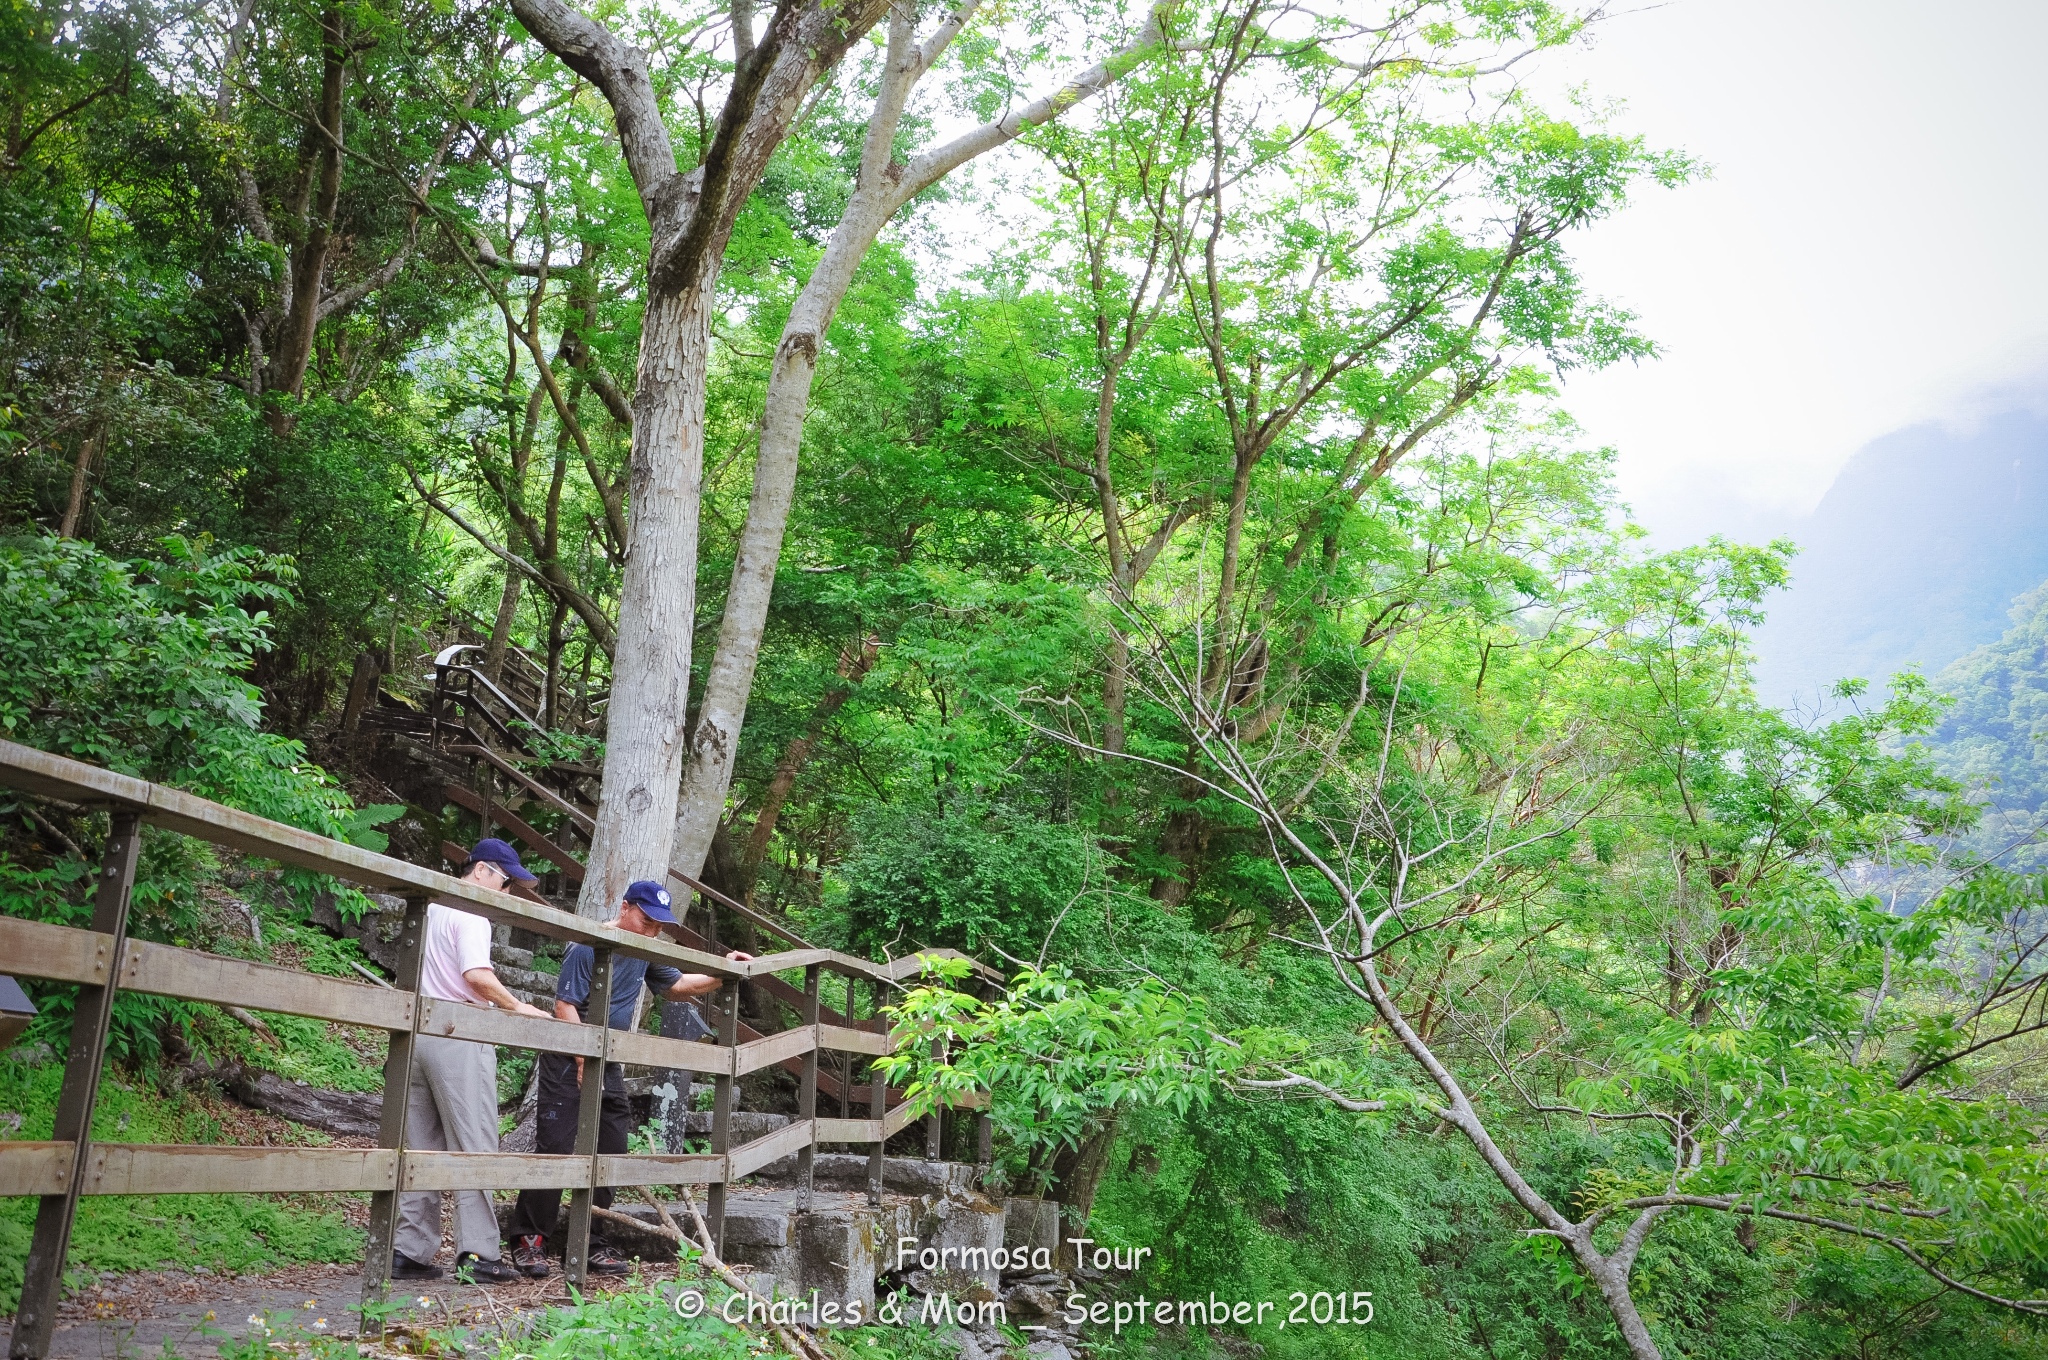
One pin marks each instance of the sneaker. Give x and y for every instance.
(605, 1261)
(403, 1267)
(530, 1256)
(473, 1269)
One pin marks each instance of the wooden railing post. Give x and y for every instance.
(931, 1121)
(846, 1060)
(43, 1272)
(807, 1086)
(597, 1010)
(391, 1123)
(878, 1106)
(721, 1108)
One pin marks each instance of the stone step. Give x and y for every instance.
(527, 980)
(851, 1252)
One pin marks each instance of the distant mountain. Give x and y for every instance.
(1913, 557)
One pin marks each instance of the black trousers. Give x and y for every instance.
(555, 1132)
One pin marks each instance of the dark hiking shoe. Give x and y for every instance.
(605, 1261)
(403, 1267)
(473, 1269)
(530, 1256)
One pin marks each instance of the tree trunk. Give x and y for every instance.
(715, 742)
(650, 692)
(551, 693)
(1116, 682)
(882, 187)
(1611, 1277)
(362, 689)
(81, 482)
(1077, 1174)
(501, 627)
(294, 351)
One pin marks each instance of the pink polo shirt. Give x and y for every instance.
(457, 941)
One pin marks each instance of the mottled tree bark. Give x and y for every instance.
(690, 214)
(883, 186)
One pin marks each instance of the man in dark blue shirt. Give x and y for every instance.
(644, 911)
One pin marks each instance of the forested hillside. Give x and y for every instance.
(1995, 737)
(1086, 486)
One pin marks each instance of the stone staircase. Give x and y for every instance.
(845, 1251)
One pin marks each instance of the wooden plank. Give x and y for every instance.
(839, 1039)
(784, 962)
(725, 1010)
(168, 1169)
(494, 1171)
(29, 1168)
(652, 1050)
(849, 1130)
(37, 949)
(783, 992)
(751, 1157)
(24, 767)
(684, 1168)
(807, 1082)
(775, 1048)
(896, 1121)
(739, 909)
(577, 816)
(194, 976)
(489, 1025)
(92, 1012)
(597, 1011)
(571, 868)
(878, 1106)
(399, 1049)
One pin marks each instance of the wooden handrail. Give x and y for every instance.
(33, 771)
(103, 960)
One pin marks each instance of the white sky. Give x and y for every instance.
(1870, 252)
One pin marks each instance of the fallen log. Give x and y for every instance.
(353, 1114)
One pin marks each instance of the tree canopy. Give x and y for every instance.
(1091, 486)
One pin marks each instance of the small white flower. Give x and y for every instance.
(319, 1324)
(255, 1319)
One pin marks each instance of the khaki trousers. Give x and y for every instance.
(452, 1106)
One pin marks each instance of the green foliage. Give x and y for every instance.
(227, 1233)
(1233, 455)
(139, 666)
(644, 1324)
(1992, 736)
(965, 877)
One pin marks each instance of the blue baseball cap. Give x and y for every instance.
(491, 850)
(652, 899)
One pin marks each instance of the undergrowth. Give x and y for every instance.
(143, 1232)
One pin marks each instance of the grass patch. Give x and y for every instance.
(143, 1232)
(643, 1324)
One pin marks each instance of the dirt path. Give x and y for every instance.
(159, 1313)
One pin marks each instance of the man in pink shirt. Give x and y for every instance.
(453, 1100)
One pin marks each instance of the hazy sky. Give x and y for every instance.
(1870, 252)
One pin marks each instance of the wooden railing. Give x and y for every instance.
(102, 959)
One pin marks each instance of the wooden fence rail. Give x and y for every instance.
(101, 960)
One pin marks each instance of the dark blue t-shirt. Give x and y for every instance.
(628, 976)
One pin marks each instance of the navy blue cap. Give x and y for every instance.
(491, 850)
(652, 899)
